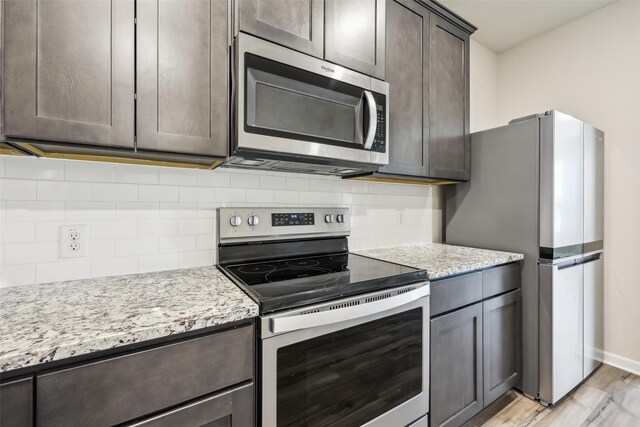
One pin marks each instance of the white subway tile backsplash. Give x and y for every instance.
(20, 274)
(33, 168)
(158, 193)
(101, 267)
(158, 227)
(64, 190)
(157, 262)
(136, 174)
(137, 210)
(17, 232)
(89, 171)
(31, 210)
(67, 269)
(177, 176)
(136, 246)
(114, 192)
(147, 218)
(196, 194)
(17, 189)
(27, 253)
(195, 226)
(176, 243)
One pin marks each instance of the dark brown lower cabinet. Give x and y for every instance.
(232, 408)
(456, 366)
(16, 403)
(502, 344)
(476, 342)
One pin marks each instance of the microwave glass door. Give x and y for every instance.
(353, 375)
(287, 102)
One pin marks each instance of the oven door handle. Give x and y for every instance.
(373, 120)
(328, 317)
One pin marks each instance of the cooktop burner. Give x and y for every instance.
(292, 282)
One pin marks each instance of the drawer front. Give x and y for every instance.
(501, 279)
(117, 390)
(454, 292)
(232, 408)
(16, 403)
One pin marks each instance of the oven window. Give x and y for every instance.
(291, 103)
(349, 377)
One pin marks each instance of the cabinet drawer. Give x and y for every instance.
(16, 403)
(117, 390)
(454, 292)
(501, 279)
(231, 408)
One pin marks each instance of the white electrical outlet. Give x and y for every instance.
(74, 241)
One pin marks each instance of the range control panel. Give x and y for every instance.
(266, 224)
(284, 219)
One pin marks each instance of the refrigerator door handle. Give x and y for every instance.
(580, 261)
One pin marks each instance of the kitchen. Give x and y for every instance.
(315, 213)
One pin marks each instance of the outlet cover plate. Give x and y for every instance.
(74, 241)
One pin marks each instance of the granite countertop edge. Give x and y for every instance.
(42, 323)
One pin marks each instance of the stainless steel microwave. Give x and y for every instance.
(296, 113)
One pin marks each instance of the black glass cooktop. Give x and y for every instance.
(295, 282)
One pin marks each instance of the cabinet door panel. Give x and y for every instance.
(182, 76)
(233, 408)
(456, 366)
(355, 35)
(16, 403)
(449, 155)
(407, 71)
(502, 344)
(298, 24)
(69, 71)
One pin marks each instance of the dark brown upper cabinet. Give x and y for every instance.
(355, 35)
(350, 33)
(450, 141)
(107, 76)
(69, 71)
(298, 24)
(408, 33)
(427, 67)
(182, 76)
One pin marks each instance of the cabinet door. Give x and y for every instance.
(593, 316)
(456, 366)
(182, 76)
(449, 141)
(298, 24)
(355, 35)
(502, 344)
(16, 403)
(407, 71)
(69, 71)
(233, 408)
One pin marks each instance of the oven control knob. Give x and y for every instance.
(253, 220)
(328, 218)
(235, 220)
(340, 218)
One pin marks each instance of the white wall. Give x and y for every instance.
(483, 71)
(590, 68)
(144, 218)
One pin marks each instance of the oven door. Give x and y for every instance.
(357, 361)
(294, 104)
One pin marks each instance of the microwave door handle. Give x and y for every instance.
(373, 114)
(328, 317)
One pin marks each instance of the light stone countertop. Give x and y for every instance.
(43, 323)
(441, 260)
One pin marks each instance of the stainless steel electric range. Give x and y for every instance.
(343, 338)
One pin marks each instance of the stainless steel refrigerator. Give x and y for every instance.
(537, 188)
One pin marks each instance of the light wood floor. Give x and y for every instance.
(610, 397)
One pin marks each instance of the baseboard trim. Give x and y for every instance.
(621, 362)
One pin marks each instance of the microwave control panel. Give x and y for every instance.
(379, 141)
